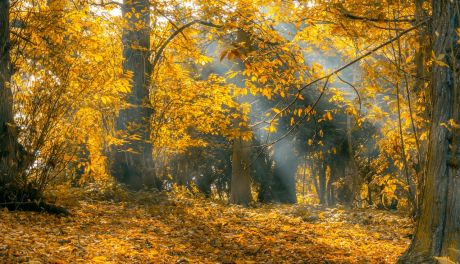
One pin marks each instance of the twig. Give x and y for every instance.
(354, 88)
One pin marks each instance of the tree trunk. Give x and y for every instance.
(330, 195)
(314, 173)
(422, 74)
(322, 185)
(283, 185)
(265, 175)
(355, 180)
(438, 229)
(133, 162)
(284, 174)
(304, 178)
(8, 140)
(240, 190)
(369, 194)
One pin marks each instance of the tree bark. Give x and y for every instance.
(240, 190)
(8, 140)
(438, 229)
(422, 76)
(133, 162)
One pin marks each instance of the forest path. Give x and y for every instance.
(155, 228)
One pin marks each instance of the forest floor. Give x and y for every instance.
(176, 228)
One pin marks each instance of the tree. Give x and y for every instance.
(240, 188)
(438, 229)
(241, 178)
(8, 141)
(133, 162)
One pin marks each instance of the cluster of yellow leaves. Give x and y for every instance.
(69, 82)
(186, 107)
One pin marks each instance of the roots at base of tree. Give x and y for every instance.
(27, 199)
(410, 257)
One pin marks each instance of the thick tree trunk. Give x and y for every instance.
(422, 75)
(240, 190)
(438, 229)
(8, 140)
(133, 162)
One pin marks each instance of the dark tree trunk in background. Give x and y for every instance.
(133, 162)
(285, 169)
(8, 140)
(183, 172)
(330, 195)
(240, 189)
(353, 168)
(264, 173)
(314, 173)
(284, 182)
(204, 183)
(322, 185)
(369, 194)
(304, 178)
(438, 229)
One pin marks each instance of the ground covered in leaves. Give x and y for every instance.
(176, 228)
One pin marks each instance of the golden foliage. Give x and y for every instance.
(150, 227)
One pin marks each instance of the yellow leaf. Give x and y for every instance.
(327, 116)
(100, 259)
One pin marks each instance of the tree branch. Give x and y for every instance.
(349, 15)
(173, 35)
(365, 54)
(356, 91)
(104, 4)
(328, 76)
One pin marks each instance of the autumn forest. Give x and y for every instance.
(229, 131)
